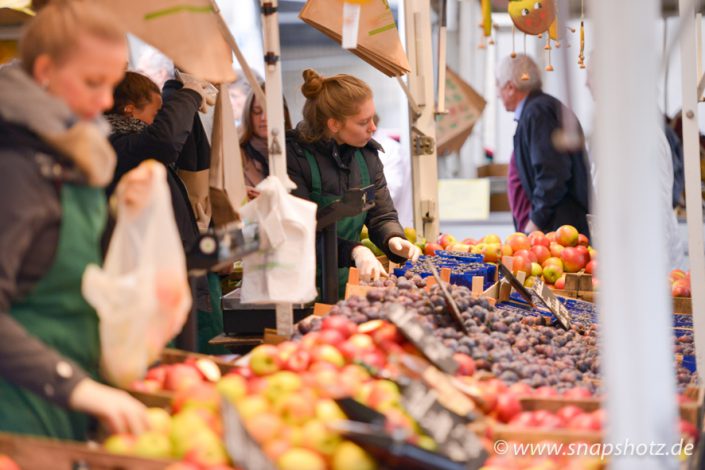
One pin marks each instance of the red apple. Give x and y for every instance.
(6, 463)
(676, 274)
(264, 427)
(521, 263)
(680, 288)
(181, 377)
(545, 392)
(583, 240)
(567, 235)
(331, 337)
(492, 238)
(577, 393)
(551, 237)
(146, 386)
(556, 249)
(560, 283)
(446, 239)
(567, 413)
(537, 238)
(387, 334)
(508, 406)
(157, 374)
(547, 420)
(466, 364)
(329, 354)
(431, 248)
(520, 389)
(525, 419)
(527, 254)
(298, 361)
(541, 252)
(295, 409)
(470, 241)
(340, 323)
(686, 429)
(585, 422)
(201, 395)
(573, 260)
(590, 267)
(518, 241)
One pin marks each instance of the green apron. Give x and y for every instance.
(56, 313)
(348, 228)
(210, 324)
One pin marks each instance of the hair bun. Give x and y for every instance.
(313, 84)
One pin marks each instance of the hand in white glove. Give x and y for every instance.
(117, 409)
(405, 248)
(367, 263)
(203, 220)
(207, 91)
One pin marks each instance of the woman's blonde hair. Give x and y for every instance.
(58, 26)
(337, 97)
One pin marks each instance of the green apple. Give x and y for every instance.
(153, 445)
(233, 387)
(410, 234)
(207, 450)
(183, 427)
(319, 438)
(328, 411)
(349, 456)
(122, 444)
(252, 405)
(281, 384)
(300, 459)
(159, 420)
(264, 359)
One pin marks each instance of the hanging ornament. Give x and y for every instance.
(547, 47)
(532, 16)
(487, 17)
(581, 55)
(514, 49)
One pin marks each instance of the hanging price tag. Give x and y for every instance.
(351, 25)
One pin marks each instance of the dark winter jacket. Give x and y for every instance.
(340, 173)
(163, 141)
(555, 182)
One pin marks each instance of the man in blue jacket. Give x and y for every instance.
(555, 181)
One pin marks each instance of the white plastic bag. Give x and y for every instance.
(284, 269)
(141, 294)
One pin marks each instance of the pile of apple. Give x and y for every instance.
(549, 255)
(178, 376)
(286, 394)
(193, 434)
(680, 283)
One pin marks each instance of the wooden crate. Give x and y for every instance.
(32, 453)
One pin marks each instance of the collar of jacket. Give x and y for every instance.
(24, 103)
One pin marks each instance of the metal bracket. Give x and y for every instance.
(275, 149)
(421, 143)
(428, 207)
(269, 9)
(270, 58)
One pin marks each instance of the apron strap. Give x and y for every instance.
(315, 174)
(364, 171)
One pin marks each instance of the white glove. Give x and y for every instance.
(405, 248)
(207, 91)
(367, 263)
(117, 409)
(203, 220)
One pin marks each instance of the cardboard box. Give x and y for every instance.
(493, 169)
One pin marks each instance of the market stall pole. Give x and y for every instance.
(422, 115)
(635, 321)
(691, 153)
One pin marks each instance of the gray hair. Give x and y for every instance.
(512, 70)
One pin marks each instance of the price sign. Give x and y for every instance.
(551, 301)
(449, 430)
(408, 323)
(243, 450)
(518, 286)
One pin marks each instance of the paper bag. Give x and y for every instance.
(378, 38)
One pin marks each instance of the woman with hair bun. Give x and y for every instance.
(331, 151)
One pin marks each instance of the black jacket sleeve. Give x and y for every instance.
(552, 169)
(27, 212)
(164, 139)
(382, 220)
(300, 174)
(196, 152)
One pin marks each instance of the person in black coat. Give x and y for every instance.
(144, 127)
(556, 182)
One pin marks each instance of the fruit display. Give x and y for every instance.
(680, 283)
(174, 377)
(558, 462)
